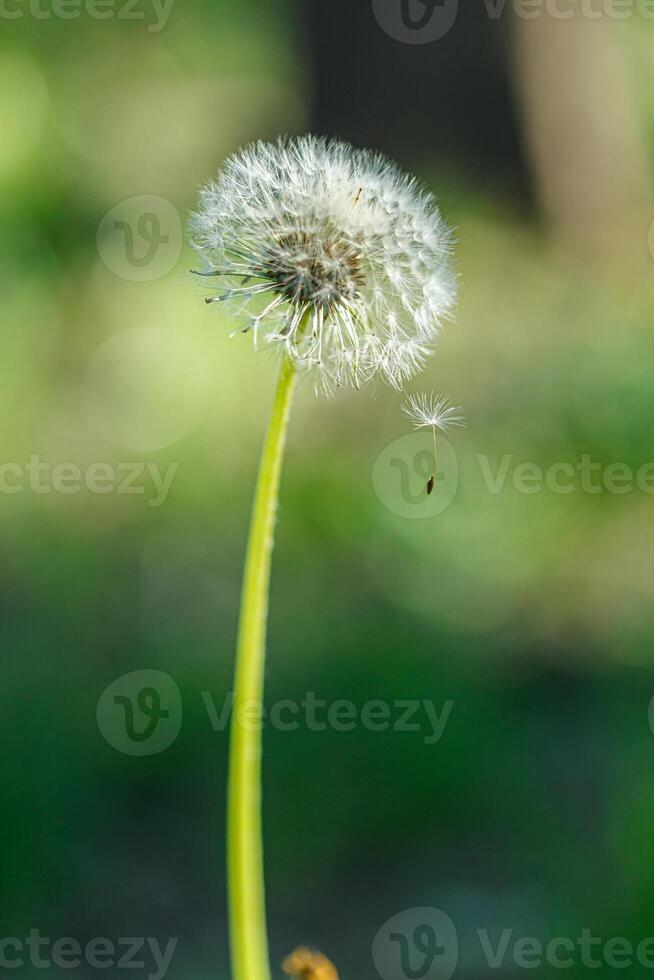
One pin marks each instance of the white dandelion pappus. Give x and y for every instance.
(433, 411)
(330, 254)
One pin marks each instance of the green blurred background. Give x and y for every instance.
(531, 611)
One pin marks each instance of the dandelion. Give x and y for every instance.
(335, 259)
(330, 254)
(435, 412)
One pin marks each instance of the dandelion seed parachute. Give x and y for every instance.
(434, 411)
(330, 254)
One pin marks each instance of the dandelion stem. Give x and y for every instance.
(245, 877)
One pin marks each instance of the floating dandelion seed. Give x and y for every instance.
(329, 253)
(435, 412)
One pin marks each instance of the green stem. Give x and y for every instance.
(245, 880)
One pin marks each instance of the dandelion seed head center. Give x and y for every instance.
(321, 270)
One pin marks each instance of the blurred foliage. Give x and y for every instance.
(532, 612)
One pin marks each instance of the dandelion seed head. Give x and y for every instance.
(330, 254)
(433, 411)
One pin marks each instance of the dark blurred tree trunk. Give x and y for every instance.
(540, 107)
(448, 100)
